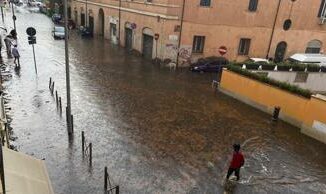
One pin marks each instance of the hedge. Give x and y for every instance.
(282, 85)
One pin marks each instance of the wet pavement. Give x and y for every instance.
(157, 131)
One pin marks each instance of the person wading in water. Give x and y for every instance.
(236, 163)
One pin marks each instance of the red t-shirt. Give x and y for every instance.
(237, 160)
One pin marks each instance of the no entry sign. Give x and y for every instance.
(222, 50)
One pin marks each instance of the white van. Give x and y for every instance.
(319, 59)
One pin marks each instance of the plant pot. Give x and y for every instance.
(268, 67)
(323, 68)
(252, 66)
(298, 68)
(283, 68)
(313, 68)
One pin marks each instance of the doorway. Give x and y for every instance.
(128, 37)
(148, 46)
(280, 52)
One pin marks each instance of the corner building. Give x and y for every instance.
(198, 28)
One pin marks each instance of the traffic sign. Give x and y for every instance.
(31, 31)
(222, 50)
(31, 40)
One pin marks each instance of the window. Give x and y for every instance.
(198, 44)
(244, 46)
(205, 3)
(253, 5)
(313, 46)
(322, 7)
(287, 24)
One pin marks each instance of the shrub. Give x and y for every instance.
(313, 68)
(282, 85)
(299, 67)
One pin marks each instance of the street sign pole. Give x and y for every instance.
(31, 32)
(34, 59)
(69, 126)
(2, 16)
(13, 16)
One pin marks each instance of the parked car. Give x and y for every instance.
(210, 64)
(56, 18)
(58, 32)
(318, 59)
(259, 60)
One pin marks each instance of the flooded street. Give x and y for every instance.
(157, 131)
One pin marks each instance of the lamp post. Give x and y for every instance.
(180, 34)
(13, 15)
(86, 14)
(68, 109)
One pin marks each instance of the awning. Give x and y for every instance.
(25, 174)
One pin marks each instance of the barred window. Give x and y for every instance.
(198, 44)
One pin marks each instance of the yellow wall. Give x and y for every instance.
(296, 110)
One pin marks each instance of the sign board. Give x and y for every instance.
(133, 26)
(113, 20)
(31, 31)
(222, 50)
(173, 38)
(156, 36)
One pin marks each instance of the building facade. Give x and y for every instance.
(200, 28)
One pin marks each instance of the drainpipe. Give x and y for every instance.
(119, 21)
(181, 27)
(273, 30)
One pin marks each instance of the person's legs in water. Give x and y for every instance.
(237, 173)
(230, 171)
(15, 61)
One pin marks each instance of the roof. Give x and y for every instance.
(25, 174)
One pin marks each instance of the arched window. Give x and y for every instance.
(280, 51)
(314, 46)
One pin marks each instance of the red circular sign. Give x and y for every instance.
(222, 50)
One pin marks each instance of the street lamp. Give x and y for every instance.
(13, 15)
(68, 108)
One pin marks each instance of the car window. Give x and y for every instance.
(59, 29)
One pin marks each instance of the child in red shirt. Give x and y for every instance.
(236, 163)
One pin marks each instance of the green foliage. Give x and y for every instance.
(282, 85)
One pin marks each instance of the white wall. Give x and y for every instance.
(315, 82)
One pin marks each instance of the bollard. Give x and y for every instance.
(60, 105)
(72, 123)
(276, 113)
(83, 142)
(56, 98)
(68, 120)
(117, 190)
(105, 179)
(90, 154)
(50, 82)
(52, 88)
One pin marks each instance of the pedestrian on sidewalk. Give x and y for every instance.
(236, 163)
(8, 43)
(16, 55)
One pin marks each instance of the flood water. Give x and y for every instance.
(157, 131)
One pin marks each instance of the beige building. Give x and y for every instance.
(246, 28)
